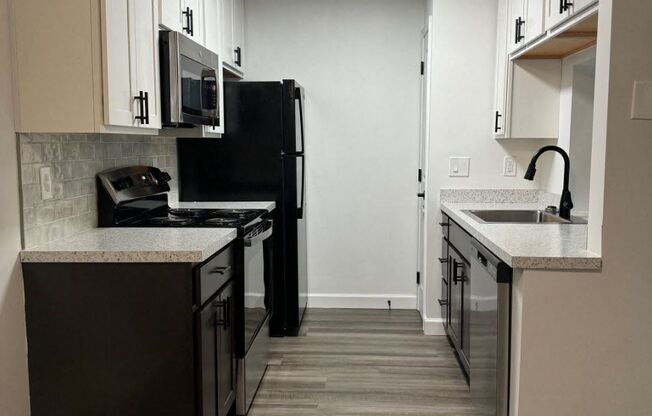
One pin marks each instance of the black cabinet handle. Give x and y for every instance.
(444, 224)
(220, 270)
(519, 29)
(567, 4)
(461, 278)
(421, 195)
(143, 107)
(442, 302)
(443, 260)
(189, 28)
(497, 126)
(238, 56)
(225, 305)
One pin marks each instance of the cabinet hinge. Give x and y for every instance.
(418, 278)
(423, 67)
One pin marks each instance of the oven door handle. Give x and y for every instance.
(259, 238)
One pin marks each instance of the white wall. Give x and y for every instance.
(462, 111)
(575, 129)
(13, 347)
(358, 61)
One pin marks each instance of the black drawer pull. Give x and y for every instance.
(220, 270)
(442, 302)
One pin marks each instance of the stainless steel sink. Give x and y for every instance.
(491, 216)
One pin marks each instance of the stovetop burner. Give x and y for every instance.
(189, 213)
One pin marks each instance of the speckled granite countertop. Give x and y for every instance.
(528, 246)
(134, 245)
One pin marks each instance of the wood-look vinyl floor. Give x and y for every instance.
(350, 362)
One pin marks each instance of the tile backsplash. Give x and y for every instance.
(74, 160)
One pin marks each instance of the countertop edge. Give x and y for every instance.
(198, 255)
(588, 263)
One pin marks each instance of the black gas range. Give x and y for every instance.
(137, 196)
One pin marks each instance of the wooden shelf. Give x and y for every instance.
(580, 36)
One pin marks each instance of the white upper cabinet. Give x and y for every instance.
(192, 20)
(212, 27)
(517, 25)
(556, 12)
(233, 21)
(534, 22)
(502, 64)
(131, 66)
(170, 11)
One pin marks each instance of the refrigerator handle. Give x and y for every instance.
(303, 188)
(299, 97)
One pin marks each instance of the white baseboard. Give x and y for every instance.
(433, 326)
(359, 301)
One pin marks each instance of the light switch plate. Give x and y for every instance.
(459, 166)
(509, 166)
(46, 182)
(642, 101)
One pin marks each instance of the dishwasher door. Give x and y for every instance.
(490, 332)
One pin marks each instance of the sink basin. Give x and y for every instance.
(524, 216)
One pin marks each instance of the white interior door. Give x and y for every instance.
(424, 133)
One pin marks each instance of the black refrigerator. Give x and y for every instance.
(260, 157)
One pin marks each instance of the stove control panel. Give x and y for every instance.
(133, 182)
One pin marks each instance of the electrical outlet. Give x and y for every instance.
(509, 166)
(642, 101)
(459, 166)
(46, 182)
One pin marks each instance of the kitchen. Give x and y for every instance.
(479, 92)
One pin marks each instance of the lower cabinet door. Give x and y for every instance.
(215, 366)
(207, 335)
(225, 356)
(456, 299)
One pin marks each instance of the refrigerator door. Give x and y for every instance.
(293, 102)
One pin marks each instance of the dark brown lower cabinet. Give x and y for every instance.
(131, 339)
(456, 282)
(216, 359)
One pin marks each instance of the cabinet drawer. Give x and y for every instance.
(461, 240)
(214, 274)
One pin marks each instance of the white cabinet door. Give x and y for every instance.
(146, 54)
(502, 62)
(131, 63)
(228, 54)
(212, 26)
(555, 13)
(578, 6)
(192, 20)
(534, 23)
(170, 12)
(517, 25)
(118, 63)
(238, 33)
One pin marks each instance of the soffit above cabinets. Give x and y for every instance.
(581, 35)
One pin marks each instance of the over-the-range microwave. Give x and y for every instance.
(189, 82)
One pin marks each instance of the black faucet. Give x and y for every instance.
(566, 203)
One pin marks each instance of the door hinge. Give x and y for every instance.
(418, 278)
(423, 67)
(420, 175)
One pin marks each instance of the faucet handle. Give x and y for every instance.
(551, 209)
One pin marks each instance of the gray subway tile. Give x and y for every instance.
(52, 152)
(70, 151)
(31, 152)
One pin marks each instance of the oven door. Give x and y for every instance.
(258, 261)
